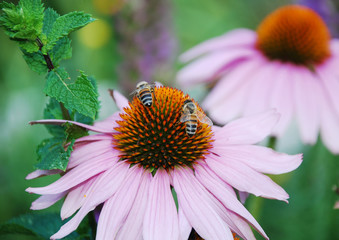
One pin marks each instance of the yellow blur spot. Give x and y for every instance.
(85, 196)
(108, 6)
(95, 34)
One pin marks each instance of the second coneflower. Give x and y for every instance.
(290, 63)
(142, 155)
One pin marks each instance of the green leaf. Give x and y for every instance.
(40, 225)
(52, 154)
(73, 132)
(23, 21)
(53, 111)
(61, 50)
(50, 16)
(79, 96)
(66, 24)
(35, 61)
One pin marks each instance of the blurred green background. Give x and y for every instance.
(309, 215)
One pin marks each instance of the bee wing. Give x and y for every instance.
(184, 117)
(134, 92)
(204, 119)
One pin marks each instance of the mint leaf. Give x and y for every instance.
(35, 61)
(66, 24)
(73, 132)
(50, 16)
(61, 50)
(52, 154)
(79, 96)
(40, 225)
(53, 111)
(23, 21)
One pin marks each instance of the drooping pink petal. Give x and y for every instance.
(198, 206)
(244, 178)
(100, 191)
(260, 83)
(205, 68)
(75, 198)
(247, 130)
(92, 152)
(75, 176)
(161, 217)
(261, 159)
(60, 122)
(281, 98)
(227, 197)
(306, 91)
(230, 83)
(329, 124)
(235, 38)
(40, 173)
(331, 84)
(185, 227)
(119, 99)
(132, 227)
(119, 205)
(46, 201)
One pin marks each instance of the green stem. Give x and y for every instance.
(47, 58)
(272, 141)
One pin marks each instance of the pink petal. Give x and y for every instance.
(206, 68)
(329, 124)
(40, 173)
(336, 205)
(306, 90)
(75, 176)
(244, 178)
(161, 218)
(230, 83)
(120, 100)
(93, 152)
(257, 97)
(75, 198)
(238, 37)
(132, 227)
(282, 97)
(108, 123)
(101, 190)
(185, 227)
(228, 198)
(247, 130)
(95, 137)
(119, 205)
(60, 122)
(331, 84)
(198, 206)
(261, 159)
(46, 201)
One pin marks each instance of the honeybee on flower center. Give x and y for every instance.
(144, 91)
(191, 115)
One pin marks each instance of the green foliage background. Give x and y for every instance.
(309, 215)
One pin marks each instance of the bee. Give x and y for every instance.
(191, 115)
(145, 92)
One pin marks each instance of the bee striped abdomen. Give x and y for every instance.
(191, 126)
(146, 97)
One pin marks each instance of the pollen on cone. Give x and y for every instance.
(294, 34)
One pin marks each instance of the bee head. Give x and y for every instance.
(189, 106)
(142, 84)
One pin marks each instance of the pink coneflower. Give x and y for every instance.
(290, 63)
(141, 154)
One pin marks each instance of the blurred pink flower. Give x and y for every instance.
(139, 154)
(290, 63)
(336, 205)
